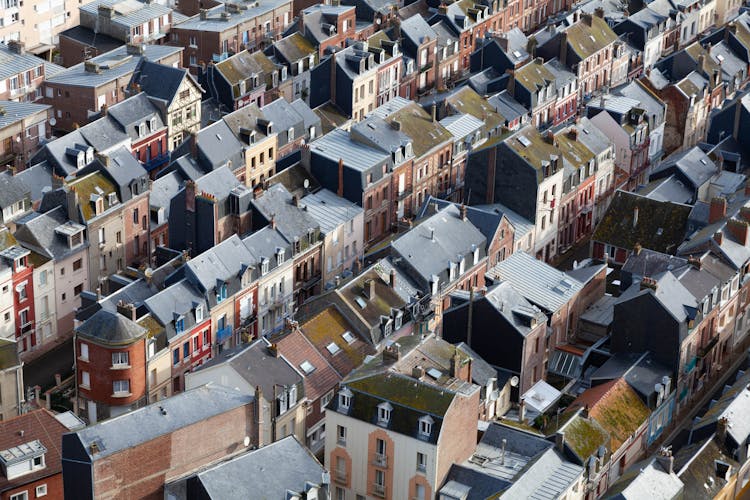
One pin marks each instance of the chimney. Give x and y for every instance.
(432, 233)
(739, 230)
(273, 349)
(464, 211)
(522, 411)
(190, 195)
(103, 159)
(369, 289)
(72, 202)
(666, 460)
(573, 134)
(204, 14)
(417, 372)
(460, 368)
(272, 222)
(17, 47)
(258, 410)
(443, 9)
(340, 191)
(718, 237)
(637, 248)
(717, 210)
(392, 352)
(135, 49)
(695, 262)
(587, 19)
(549, 136)
(648, 282)
(722, 425)
(104, 109)
(434, 112)
(194, 144)
(745, 213)
(295, 200)
(126, 309)
(560, 441)
(599, 12)
(635, 216)
(392, 278)
(396, 124)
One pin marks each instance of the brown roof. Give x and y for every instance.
(41, 425)
(297, 349)
(328, 326)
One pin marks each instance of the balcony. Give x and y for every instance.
(19, 91)
(27, 328)
(703, 351)
(380, 460)
(690, 366)
(378, 490)
(156, 161)
(223, 333)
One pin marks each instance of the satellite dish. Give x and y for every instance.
(148, 272)
(18, 139)
(514, 381)
(53, 121)
(246, 441)
(306, 183)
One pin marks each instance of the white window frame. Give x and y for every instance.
(41, 490)
(120, 359)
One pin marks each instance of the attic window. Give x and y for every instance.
(279, 256)
(425, 426)
(384, 413)
(722, 469)
(307, 367)
(199, 314)
(141, 130)
(434, 373)
(333, 348)
(524, 141)
(264, 266)
(112, 199)
(152, 124)
(345, 399)
(290, 134)
(348, 337)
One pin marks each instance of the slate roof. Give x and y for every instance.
(338, 144)
(216, 23)
(38, 178)
(329, 210)
(540, 283)
(128, 13)
(87, 36)
(585, 40)
(247, 475)
(547, 477)
(291, 220)
(110, 328)
(37, 232)
(695, 463)
(223, 262)
(158, 419)
(12, 190)
(466, 100)
(693, 164)
(507, 106)
(160, 81)
(162, 191)
(646, 480)
(734, 405)
(177, 299)
(661, 226)
(512, 306)
(671, 294)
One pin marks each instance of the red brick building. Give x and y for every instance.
(30, 456)
(110, 350)
(17, 258)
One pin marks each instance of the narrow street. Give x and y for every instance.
(41, 371)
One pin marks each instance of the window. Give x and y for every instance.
(185, 350)
(196, 345)
(77, 265)
(307, 367)
(84, 352)
(85, 380)
(41, 490)
(333, 348)
(22, 294)
(326, 399)
(384, 413)
(78, 289)
(120, 359)
(345, 399)
(341, 434)
(176, 357)
(425, 426)
(24, 495)
(221, 293)
(179, 325)
(135, 216)
(121, 387)
(199, 314)
(206, 339)
(421, 461)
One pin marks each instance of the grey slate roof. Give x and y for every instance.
(218, 183)
(337, 144)
(646, 480)
(38, 178)
(216, 23)
(168, 415)
(671, 294)
(693, 164)
(540, 283)
(513, 307)
(37, 232)
(163, 190)
(222, 262)
(487, 221)
(521, 224)
(12, 190)
(267, 473)
(111, 328)
(292, 221)
(734, 405)
(119, 62)
(507, 106)
(547, 478)
(264, 244)
(11, 64)
(17, 111)
(330, 211)
(128, 13)
(217, 145)
(177, 299)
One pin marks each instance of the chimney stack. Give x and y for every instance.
(340, 191)
(722, 425)
(718, 237)
(369, 288)
(190, 195)
(717, 210)
(666, 460)
(194, 144)
(392, 278)
(739, 229)
(126, 309)
(560, 441)
(17, 47)
(434, 112)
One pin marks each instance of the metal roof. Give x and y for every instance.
(16, 111)
(337, 145)
(11, 64)
(118, 64)
(128, 13)
(329, 210)
(461, 125)
(215, 22)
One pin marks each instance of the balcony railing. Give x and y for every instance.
(378, 490)
(156, 161)
(380, 460)
(703, 351)
(223, 333)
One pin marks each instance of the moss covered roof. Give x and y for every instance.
(405, 391)
(468, 101)
(533, 75)
(86, 186)
(7, 239)
(617, 408)
(418, 125)
(587, 39)
(573, 151)
(535, 151)
(328, 326)
(661, 225)
(295, 47)
(585, 436)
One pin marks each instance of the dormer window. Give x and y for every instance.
(384, 413)
(398, 319)
(112, 199)
(179, 325)
(452, 271)
(75, 239)
(311, 236)
(475, 251)
(425, 426)
(461, 265)
(141, 130)
(81, 160)
(221, 292)
(199, 314)
(279, 256)
(23, 459)
(264, 266)
(345, 399)
(152, 124)
(290, 134)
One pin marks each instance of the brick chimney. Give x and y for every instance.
(739, 230)
(190, 195)
(717, 210)
(745, 213)
(194, 144)
(126, 309)
(369, 289)
(392, 278)
(718, 237)
(666, 460)
(464, 211)
(460, 368)
(392, 352)
(648, 282)
(17, 47)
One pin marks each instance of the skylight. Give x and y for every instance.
(333, 348)
(348, 337)
(524, 140)
(434, 373)
(307, 367)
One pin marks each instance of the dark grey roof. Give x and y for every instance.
(696, 167)
(416, 29)
(111, 328)
(177, 299)
(734, 405)
(134, 111)
(507, 106)
(291, 220)
(646, 480)
(487, 221)
(160, 81)
(38, 178)
(223, 262)
(163, 190)
(655, 108)
(514, 307)
(217, 145)
(12, 190)
(264, 243)
(269, 472)
(675, 298)
(37, 232)
(284, 116)
(219, 183)
(592, 137)
(123, 168)
(87, 36)
(159, 419)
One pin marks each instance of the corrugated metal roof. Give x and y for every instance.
(538, 282)
(128, 13)
(79, 77)
(12, 64)
(15, 111)
(461, 125)
(329, 210)
(218, 24)
(337, 145)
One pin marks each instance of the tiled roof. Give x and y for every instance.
(297, 349)
(329, 326)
